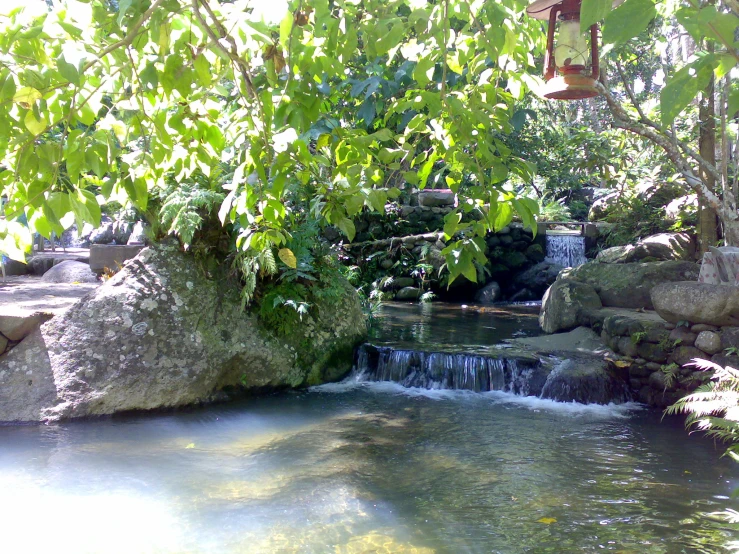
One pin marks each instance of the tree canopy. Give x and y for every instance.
(257, 110)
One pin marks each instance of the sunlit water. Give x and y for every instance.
(366, 468)
(360, 467)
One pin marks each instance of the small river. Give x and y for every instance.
(367, 468)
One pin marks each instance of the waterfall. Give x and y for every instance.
(566, 250)
(440, 370)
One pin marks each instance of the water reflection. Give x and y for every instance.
(440, 325)
(371, 469)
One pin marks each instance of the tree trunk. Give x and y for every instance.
(707, 146)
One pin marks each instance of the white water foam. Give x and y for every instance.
(533, 403)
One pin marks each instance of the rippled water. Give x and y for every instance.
(366, 468)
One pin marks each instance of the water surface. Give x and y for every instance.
(359, 467)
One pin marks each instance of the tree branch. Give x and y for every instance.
(622, 120)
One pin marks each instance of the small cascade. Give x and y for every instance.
(441, 370)
(566, 250)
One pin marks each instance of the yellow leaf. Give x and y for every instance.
(34, 125)
(191, 445)
(26, 97)
(288, 258)
(547, 520)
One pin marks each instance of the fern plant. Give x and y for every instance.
(714, 406)
(183, 209)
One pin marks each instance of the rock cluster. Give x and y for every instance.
(162, 333)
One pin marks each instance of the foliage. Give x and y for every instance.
(106, 101)
(714, 406)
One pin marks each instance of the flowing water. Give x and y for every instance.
(566, 250)
(360, 467)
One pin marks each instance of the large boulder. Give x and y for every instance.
(164, 332)
(697, 303)
(565, 305)
(70, 271)
(629, 285)
(664, 246)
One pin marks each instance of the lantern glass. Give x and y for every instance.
(572, 48)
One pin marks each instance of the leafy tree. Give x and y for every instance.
(256, 109)
(712, 27)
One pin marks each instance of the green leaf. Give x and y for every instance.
(346, 226)
(677, 94)
(68, 71)
(503, 216)
(8, 89)
(592, 11)
(423, 71)
(425, 171)
(628, 21)
(35, 126)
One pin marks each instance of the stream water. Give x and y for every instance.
(361, 467)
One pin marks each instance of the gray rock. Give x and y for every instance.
(386, 263)
(708, 341)
(103, 234)
(564, 305)
(665, 246)
(506, 240)
(431, 198)
(683, 355)
(626, 347)
(408, 293)
(70, 271)
(161, 333)
(697, 302)
(488, 294)
(722, 359)
(658, 380)
(122, 231)
(139, 234)
(683, 336)
(614, 255)
(539, 277)
(729, 338)
(698, 327)
(630, 285)
(587, 380)
(401, 283)
(651, 352)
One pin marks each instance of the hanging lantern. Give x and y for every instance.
(571, 65)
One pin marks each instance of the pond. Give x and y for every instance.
(359, 467)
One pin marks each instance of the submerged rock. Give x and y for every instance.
(488, 294)
(587, 380)
(163, 333)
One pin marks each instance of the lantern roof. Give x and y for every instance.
(539, 9)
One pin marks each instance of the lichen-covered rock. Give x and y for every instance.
(708, 341)
(163, 333)
(697, 303)
(629, 285)
(565, 305)
(70, 271)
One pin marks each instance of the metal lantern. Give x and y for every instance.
(571, 66)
